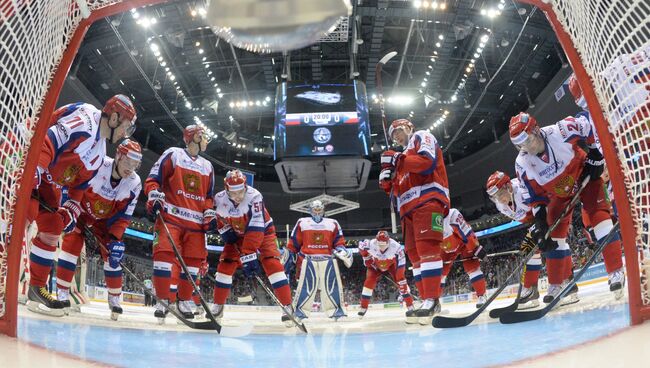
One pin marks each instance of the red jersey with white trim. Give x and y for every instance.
(421, 175)
(555, 172)
(629, 79)
(249, 219)
(383, 260)
(188, 184)
(311, 237)
(114, 205)
(517, 209)
(457, 233)
(73, 149)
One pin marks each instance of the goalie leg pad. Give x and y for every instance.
(307, 286)
(333, 288)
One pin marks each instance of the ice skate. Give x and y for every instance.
(616, 281)
(199, 311)
(114, 305)
(571, 297)
(362, 312)
(411, 318)
(481, 300)
(40, 301)
(427, 311)
(63, 296)
(552, 292)
(161, 311)
(184, 307)
(529, 298)
(217, 312)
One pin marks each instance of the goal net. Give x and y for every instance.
(608, 45)
(38, 42)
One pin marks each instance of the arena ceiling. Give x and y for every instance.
(178, 71)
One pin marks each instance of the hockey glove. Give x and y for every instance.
(480, 252)
(155, 202)
(209, 220)
(386, 179)
(548, 245)
(390, 158)
(594, 165)
(228, 235)
(116, 250)
(403, 287)
(250, 265)
(288, 260)
(344, 255)
(528, 244)
(70, 212)
(538, 231)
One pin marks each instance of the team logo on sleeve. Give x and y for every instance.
(69, 175)
(191, 182)
(564, 187)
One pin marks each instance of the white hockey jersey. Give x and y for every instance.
(382, 260)
(457, 232)
(518, 210)
(556, 172)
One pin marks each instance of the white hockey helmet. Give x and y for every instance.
(317, 210)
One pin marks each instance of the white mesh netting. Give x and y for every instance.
(613, 40)
(33, 38)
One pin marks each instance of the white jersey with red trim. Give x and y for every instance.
(517, 209)
(383, 260)
(457, 231)
(188, 184)
(629, 79)
(102, 201)
(311, 237)
(74, 149)
(249, 219)
(555, 172)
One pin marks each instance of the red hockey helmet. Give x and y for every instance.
(382, 236)
(496, 181)
(191, 130)
(130, 149)
(521, 125)
(399, 124)
(121, 105)
(234, 181)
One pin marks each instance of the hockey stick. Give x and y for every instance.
(380, 91)
(215, 325)
(516, 317)
(300, 325)
(450, 322)
(497, 312)
(90, 236)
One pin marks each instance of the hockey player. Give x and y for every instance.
(180, 189)
(417, 178)
(460, 240)
(314, 242)
(106, 208)
(551, 164)
(72, 152)
(249, 235)
(383, 255)
(508, 196)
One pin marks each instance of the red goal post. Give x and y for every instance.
(598, 37)
(39, 40)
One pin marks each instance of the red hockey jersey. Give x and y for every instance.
(188, 184)
(311, 237)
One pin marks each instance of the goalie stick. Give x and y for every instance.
(451, 322)
(300, 325)
(380, 91)
(516, 317)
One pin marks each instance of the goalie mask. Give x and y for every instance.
(317, 210)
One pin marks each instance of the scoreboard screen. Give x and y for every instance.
(324, 119)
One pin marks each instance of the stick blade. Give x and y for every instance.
(498, 312)
(452, 322)
(517, 317)
(387, 57)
